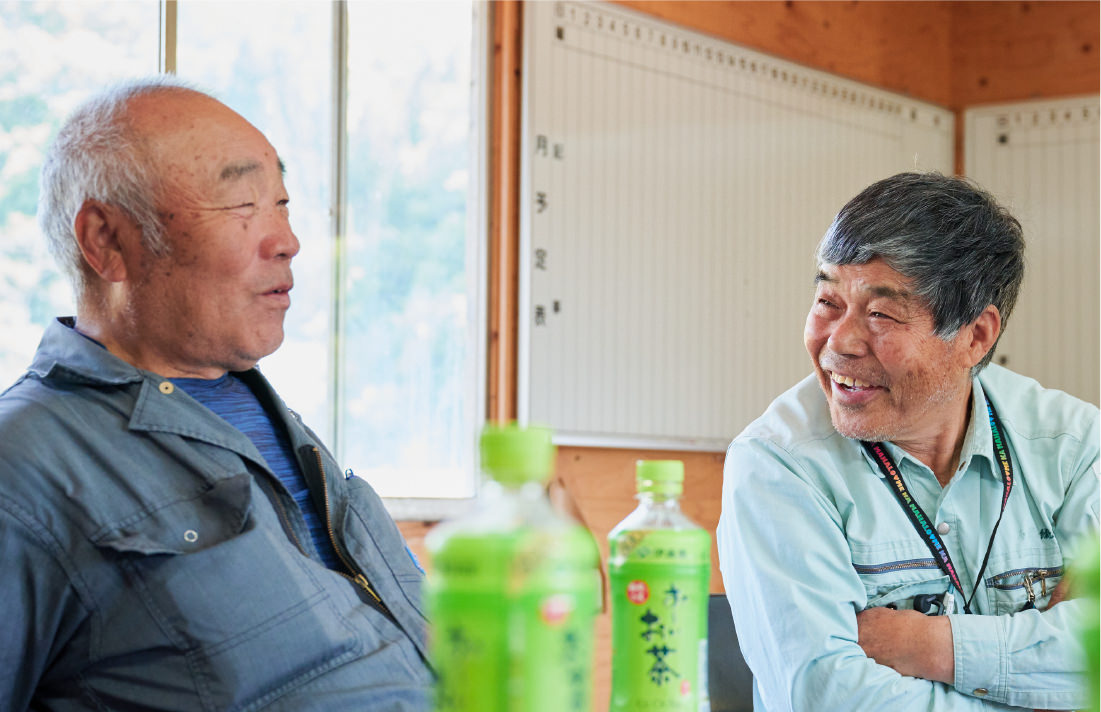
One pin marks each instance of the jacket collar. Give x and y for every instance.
(66, 356)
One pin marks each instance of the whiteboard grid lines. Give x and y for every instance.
(679, 229)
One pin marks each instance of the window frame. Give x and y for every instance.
(477, 242)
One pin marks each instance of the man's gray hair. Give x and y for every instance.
(962, 250)
(97, 155)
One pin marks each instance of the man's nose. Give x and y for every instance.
(849, 335)
(281, 240)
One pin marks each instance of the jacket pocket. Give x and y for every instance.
(893, 573)
(185, 526)
(1025, 580)
(247, 617)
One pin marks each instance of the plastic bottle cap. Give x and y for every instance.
(660, 476)
(514, 455)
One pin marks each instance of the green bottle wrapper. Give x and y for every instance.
(512, 621)
(659, 586)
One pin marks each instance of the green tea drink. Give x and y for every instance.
(659, 568)
(512, 591)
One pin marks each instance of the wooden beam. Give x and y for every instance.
(504, 218)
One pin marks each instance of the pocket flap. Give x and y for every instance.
(187, 525)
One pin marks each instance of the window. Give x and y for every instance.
(44, 72)
(377, 114)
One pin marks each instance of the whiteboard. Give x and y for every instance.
(1040, 159)
(674, 188)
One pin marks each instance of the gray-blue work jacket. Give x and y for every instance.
(150, 560)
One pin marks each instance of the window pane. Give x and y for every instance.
(408, 379)
(51, 54)
(240, 52)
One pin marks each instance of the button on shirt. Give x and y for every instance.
(810, 534)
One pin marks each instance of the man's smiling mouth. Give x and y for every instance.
(849, 383)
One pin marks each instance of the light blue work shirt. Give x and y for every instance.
(810, 534)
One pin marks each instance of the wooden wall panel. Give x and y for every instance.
(1010, 51)
(901, 46)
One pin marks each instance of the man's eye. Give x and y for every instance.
(881, 315)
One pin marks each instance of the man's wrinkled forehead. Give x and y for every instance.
(193, 137)
(896, 289)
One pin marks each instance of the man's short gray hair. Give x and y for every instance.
(97, 155)
(962, 250)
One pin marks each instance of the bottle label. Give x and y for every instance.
(518, 636)
(659, 620)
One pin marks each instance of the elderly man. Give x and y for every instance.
(171, 535)
(895, 528)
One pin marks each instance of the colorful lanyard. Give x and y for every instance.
(921, 522)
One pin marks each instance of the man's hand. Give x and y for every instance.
(909, 642)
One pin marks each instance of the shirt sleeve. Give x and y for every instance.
(35, 592)
(1035, 658)
(794, 594)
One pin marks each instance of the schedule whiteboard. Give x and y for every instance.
(674, 187)
(1039, 158)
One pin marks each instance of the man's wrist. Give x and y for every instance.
(941, 660)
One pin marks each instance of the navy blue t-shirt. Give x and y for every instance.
(232, 399)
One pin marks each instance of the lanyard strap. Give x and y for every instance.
(921, 522)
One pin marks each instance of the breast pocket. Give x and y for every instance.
(893, 573)
(1024, 580)
(234, 597)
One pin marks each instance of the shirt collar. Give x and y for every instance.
(979, 440)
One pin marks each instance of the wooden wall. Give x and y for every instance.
(955, 54)
(1011, 51)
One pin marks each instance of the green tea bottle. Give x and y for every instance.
(659, 566)
(1085, 583)
(513, 590)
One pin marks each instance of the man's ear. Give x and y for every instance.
(983, 333)
(99, 227)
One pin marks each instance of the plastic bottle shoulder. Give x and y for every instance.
(514, 522)
(648, 516)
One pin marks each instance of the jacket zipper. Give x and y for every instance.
(359, 578)
(1027, 583)
(1043, 574)
(1028, 577)
(895, 566)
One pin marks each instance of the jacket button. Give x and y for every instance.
(943, 528)
(981, 692)
(166, 387)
